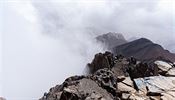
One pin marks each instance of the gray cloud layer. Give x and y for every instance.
(46, 41)
(152, 19)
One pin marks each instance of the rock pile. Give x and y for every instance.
(98, 86)
(118, 78)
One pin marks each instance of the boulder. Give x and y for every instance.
(170, 95)
(171, 72)
(156, 85)
(163, 66)
(106, 79)
(100, 61)
(125, 96)
(120, 67)
(123, 88)
(126, 86)
(128, 81)
(99, 86)
(118, 78)
(141, 70)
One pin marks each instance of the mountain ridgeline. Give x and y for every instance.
(136, 70)
(142, 49)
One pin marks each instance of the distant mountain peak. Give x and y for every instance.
(144, 40)
(116, 35)
(111, 39)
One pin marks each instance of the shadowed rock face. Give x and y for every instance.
(122, 66)
(101, 85)
(111, 40)
(136, 70)
(101, 60)
(145, 50)
(118, 78)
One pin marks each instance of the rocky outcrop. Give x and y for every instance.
(101, 85)
(157, 86)
(171, 72)
(165, 68)
(122, 66)
(118, 78)
(101, 60)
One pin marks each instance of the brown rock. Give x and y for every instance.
(101, 61)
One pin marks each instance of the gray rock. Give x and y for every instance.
(99, 86)
(171, 72)
(125, 96)
(170, 95)
(163, 66)
(156, 85)
(123, 88)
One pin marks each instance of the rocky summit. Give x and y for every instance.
(136, 70)
(116, 77)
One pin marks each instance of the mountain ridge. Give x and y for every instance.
(144, 49)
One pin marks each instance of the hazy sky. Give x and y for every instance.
(152, 19)
(44, 42)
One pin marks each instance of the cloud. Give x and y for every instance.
(46, 41)
(150, 19)
(35, 60)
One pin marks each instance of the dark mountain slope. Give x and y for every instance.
(144, 50)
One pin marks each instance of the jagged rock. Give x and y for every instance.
(101, 61)
(99, 86)
(138, 97)
(163, 66)
(123, 88)
(106, 79)
(168, 95)
(92, 88)
(156, 85)
(141, 85)
(154, 98)
(120, 67)
(69, 94)
(126, 86)
(171, 72)
(142, 70)
(118, 78)
(128, 81)
(125, 96)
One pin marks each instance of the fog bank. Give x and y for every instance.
(46, 41)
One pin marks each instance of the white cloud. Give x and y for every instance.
(46, 41)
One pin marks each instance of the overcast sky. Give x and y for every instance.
(152, 19)
(44, 42)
